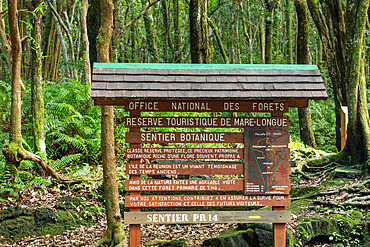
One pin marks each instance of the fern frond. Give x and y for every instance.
(38, 181)
(75, 142)
(65, 160)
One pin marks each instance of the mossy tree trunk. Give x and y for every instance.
(37, 99)
(270, 6)
(85, 41)
(288, 32)
(151, 38)
(177, 32)
(13, 150)
(199, 41)
(303, 57)
(342, 32)
(331, 27)
(114, 235)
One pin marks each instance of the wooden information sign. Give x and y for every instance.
(185, 153)
(266, 160)
(185, 169)
(184, 185)
(191, 217)
(184, 137)
(206, 122)
(207, 201)
(205, 106)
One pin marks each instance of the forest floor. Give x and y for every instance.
(152, 234)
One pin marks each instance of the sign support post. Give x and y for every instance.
(135, 236)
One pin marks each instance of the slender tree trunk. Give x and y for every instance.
(177, 32)
(270, 6)
(85, 41)
(4, 42)
(150, 33)
(37, 98)
(262, 42)
(199, 41)
(115, 234)
(288, 27)
(303, 57)
(219, 41)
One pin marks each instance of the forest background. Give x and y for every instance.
(48, 65)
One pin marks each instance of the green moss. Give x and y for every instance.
(336, 182)
(296, 206)
(16, 223)
(304, 191)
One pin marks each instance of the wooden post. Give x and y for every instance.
(343, 125)
(135, 228)
(279, 230)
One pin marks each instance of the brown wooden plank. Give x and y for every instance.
(184, 185)
(184, 137)
(203, 122)
(206, 200)
(197, 217)
(184, 169)
(184, 153)
(268, 160)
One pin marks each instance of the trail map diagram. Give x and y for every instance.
(267, 166)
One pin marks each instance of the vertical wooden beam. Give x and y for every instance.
(135, 236)
(279, 230)
(343, 125)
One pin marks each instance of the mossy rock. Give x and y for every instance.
(16, 223)
(339, 229)
(304, 191)
(343, 172)
(174, 243)
(254, 235)
(68, 202)
(230, 238)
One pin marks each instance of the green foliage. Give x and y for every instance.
(323, 123)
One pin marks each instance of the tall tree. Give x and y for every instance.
(342, 30)
(151, 38)
(37, 98)
(199, 41)
(114, 235)
(85, 41)
(270, 6)
(303, 57)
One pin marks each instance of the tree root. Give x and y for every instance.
(108, 239)
(16, 156)
(356, 188)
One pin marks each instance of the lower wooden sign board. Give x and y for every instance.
(185, 153)
(206, 201)
(184, 184)
(184, 137)
(196, 217)
(184, 169)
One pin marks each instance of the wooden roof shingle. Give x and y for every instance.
(112, 81)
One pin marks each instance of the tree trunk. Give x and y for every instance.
(262, 42)
(37, 99)
(85, 41)
(219, 41)
(4, 42)
(115, 235)
(177, 32)
(288, 33)
(150, 34)
(358, 131)
(342, 28)
(303, 57)
(270, 6)
(199, 41)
